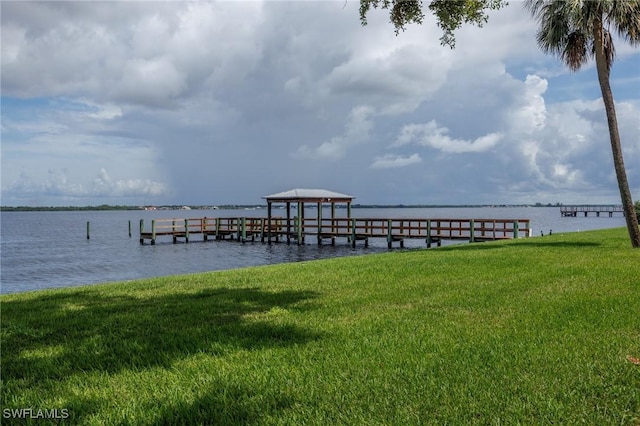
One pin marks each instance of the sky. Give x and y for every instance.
(215, 103)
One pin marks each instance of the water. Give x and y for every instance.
(49, 249)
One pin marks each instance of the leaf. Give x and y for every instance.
(633, 360)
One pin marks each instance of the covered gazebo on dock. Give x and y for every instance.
(301, 197)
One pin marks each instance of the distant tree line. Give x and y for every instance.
(235, 206)
(66, 208)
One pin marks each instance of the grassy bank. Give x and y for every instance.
(532, 331)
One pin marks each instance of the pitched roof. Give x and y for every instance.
(311, 195)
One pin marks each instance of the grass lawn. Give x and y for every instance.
(533, 331)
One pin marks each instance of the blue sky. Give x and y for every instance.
(143, 103)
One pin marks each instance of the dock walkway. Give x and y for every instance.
(243, 229)
(574, 211)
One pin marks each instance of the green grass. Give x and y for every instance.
(532, 331)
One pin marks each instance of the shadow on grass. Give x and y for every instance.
(227, 404)
(53, 337)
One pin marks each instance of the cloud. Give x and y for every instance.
(58, 184)
(140, 53)
(154, 83)
(104, 186)
(394, 81)
(528, 113)
(357, 129)
(391, 161)
(223, 102)
(433, 136)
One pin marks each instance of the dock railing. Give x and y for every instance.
(353, 229)
(575, 211)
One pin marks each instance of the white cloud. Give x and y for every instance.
(396, 81)
(102, 186)
(529, 112)
(433, 136)
(391, 161)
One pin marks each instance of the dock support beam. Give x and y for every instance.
(319, 223)
(288, 222)
(269, 222)
(353, 233)
(301, 216)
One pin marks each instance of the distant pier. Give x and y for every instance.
(298, 230)
(575, 211)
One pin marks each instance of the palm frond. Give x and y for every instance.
(609, 49)
(624, 17)
(554, 26)
(575, 53)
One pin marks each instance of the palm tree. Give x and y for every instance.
(578, 30)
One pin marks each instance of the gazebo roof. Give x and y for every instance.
(309, 195)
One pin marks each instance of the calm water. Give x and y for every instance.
(49, 249)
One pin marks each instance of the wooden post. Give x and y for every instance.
(319, 223)
(288, 222)
(269, 222)
(334, 229)
(353, 233)
(242, 236)
(471, 231)
(428, 233)
(88, 230)
(389, 235)
(153, 232)
(301, 215)
(203, 228)
(516, 230)
(173, 231)
(141, 231)
(186, 230)
(129, 229)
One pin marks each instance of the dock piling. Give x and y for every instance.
(471, 231)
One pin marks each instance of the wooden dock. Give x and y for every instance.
(244, 229)
(575, 211)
